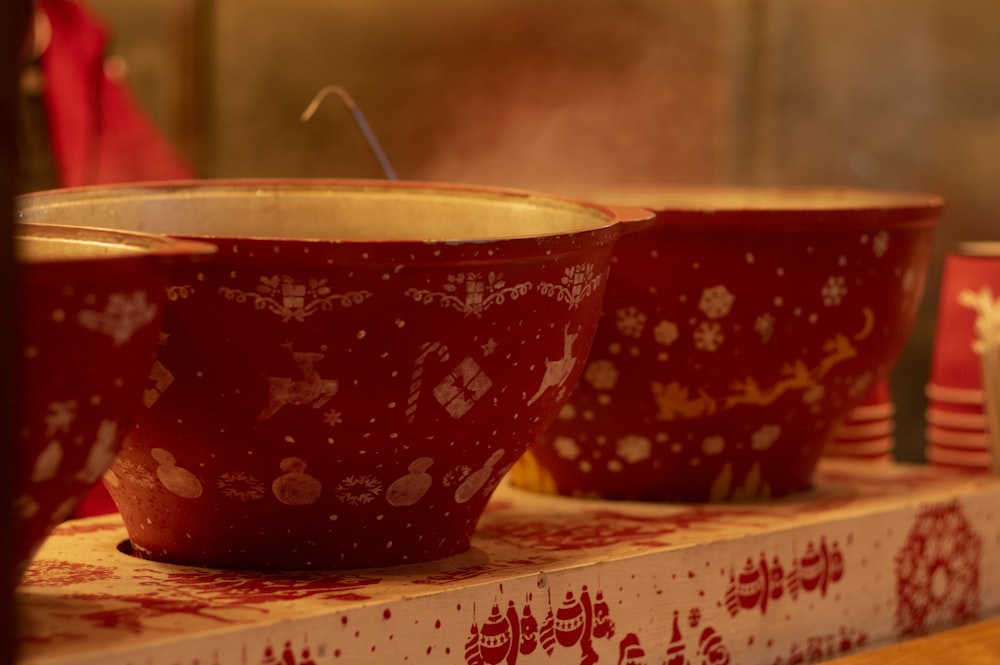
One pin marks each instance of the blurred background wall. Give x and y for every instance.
(897, 94)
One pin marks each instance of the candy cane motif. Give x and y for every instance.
(416, 378)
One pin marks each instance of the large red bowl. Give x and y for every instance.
(347, 380)
(737, 332)
(88, 327)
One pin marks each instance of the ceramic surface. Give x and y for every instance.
(737, 332)
(345, 383)
(89, 324)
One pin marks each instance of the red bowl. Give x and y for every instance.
(346, 382)
(737, 332)
(88, 326)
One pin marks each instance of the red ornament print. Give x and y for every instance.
(759, 584)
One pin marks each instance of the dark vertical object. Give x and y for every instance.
(13, 32)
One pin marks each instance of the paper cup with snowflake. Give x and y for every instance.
(90, 308)
(737, 333)
(963, 390)
(345, 383)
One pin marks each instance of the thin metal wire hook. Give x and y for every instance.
(359, 119)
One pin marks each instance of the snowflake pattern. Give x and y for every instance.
(813, 394)
(708, 336)
(713, 445)
(122, 316)
(938, 569)
(634, 448)
(333, 417)
(861, 385)
(102, 453)
(566, 448)
(716, 301)
(53, 573)
(765, 437)
(601, 374)
(456, 475)
(60, 416)
(241, 486)
(357, 490)
(880, 244)
(834, 290)
(764, 326)
(665, 333)
(136, 474)
(631, 322)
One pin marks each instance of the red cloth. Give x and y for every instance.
(99, 134)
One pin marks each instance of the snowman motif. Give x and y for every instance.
(177, 480)
(477, 479)
(296, 488)
(412, 487)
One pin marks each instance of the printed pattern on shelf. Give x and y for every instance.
(685, 592)
(759, 584)
(938, 570)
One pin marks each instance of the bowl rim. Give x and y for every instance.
(132, 244)
(816, 208)
(608, 218)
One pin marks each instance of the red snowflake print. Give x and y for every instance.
(240, 485)
(78, 527)
(49, 573)
(357, 490)
(937, 570)
(601, 528)
(243, 589)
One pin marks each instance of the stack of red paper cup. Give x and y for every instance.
(965, 369)
(867, 431)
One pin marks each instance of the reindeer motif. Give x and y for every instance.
(751, 393)
(799, 376)
(674, 403)
(839, 349)
(557, 371)
(311, 389)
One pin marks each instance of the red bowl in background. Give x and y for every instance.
(737, 333)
